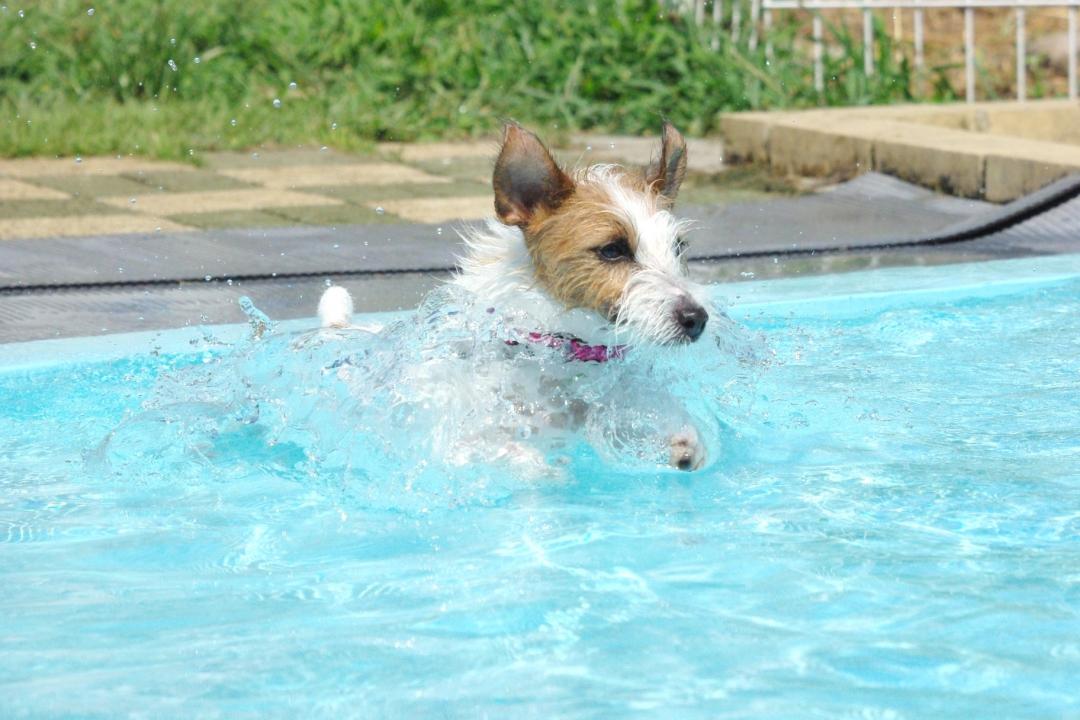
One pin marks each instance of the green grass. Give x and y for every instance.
(370, 70)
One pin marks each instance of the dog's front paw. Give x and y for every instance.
(686, 451)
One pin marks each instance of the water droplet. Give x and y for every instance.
(197, 59)
(208, 278)
(380, 210)
(22, 14)
(333, 126)
(172, 41)
(33, 45)
(292, 86)
(611, 145)
(233, 122)
(229, 282)
(132, 201)
(438, 231)
(277, 102)
(323, 149)
(78, 159)
(191, 152)
(328, 282)
(254, 156)
(90, 12)
(336, 246)
(172, 64)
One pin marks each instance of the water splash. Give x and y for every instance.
(258, 320)
(435, 408)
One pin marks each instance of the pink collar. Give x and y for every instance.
(574, 348)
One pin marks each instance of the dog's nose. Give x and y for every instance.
(691, 318)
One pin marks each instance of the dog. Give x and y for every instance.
(596, 261)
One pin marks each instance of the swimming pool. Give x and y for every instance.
(892, 530)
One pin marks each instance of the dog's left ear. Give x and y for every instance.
(527, 179)
(666, 173)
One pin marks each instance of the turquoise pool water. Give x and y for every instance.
(890, 529)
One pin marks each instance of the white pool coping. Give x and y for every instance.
(837, 296)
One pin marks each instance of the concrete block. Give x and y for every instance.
(746, 135)
(805, 149)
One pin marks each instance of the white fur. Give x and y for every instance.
(335, 308)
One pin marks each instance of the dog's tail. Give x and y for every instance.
(335, 308)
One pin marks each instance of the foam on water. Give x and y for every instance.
(889, 526)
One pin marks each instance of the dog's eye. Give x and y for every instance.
(615, 250)
(681, 246)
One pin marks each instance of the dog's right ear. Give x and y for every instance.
(527, 179)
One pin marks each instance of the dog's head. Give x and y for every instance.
(603, 238)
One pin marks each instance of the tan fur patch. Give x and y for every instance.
(563, 243)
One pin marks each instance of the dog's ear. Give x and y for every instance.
(527, 179)
(666, 173)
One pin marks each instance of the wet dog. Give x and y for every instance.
(596, 261)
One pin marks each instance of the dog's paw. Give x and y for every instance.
(686, 451)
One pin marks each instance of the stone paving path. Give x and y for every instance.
(424, 183)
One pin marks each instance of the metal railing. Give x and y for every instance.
(761, 22)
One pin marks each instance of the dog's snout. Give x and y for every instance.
(691, 318)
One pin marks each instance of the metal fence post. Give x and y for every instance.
(920, 78)
(761, 24)
(766, 21)
(819, 64)
(755, 13)
(1072, 51)
(717, 16)
(969, 53)
(1021, 55)
(868, 41)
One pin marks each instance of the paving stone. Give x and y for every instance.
(45, 227)
(423, 152)
(51, 208)
(36, 167)
(16, 190)
(374, 193)
(746, 135)
(1009, 177)
(705, 154)
(435, 210)
(278, 158)
(335, 215)
(476, 169)
(295, 176)
(91, 186)
(802, 146)
(998, 151)
(196, 181)
(231, 219)
(179, 203)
